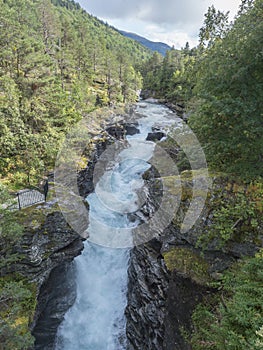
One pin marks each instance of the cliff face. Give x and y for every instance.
(147, 295)
(51, 247)
(48, 248)
(55, 245)
(168, 276)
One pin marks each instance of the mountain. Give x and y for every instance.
(152, 45)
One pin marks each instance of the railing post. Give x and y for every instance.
(46, 189)
(18, 199)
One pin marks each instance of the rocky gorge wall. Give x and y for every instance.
(48, 251)
(57, 245)
(42, 263)
(147, 295)
(51, 246)
(167, 276)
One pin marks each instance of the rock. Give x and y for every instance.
(56, 296)
(176, 107)
(155, 136)
(131, 129)
(47, 253)
(119, 129)
(85, 176)
(145, 312)
(240, 250)
(160, 303)
(183, 295)
(145, 94)
(116, 131)
(44, 248)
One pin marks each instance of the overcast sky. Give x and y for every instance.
(171, 21)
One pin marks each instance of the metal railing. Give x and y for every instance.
(27, 197)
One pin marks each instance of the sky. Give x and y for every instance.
(170, 21)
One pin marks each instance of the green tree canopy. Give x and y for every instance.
(229, 120)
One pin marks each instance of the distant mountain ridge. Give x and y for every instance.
(152, 45)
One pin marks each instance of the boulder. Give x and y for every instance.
(155, 136)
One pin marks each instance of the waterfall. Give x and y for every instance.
(96, 321)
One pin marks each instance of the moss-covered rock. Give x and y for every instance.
(33, 217)
(188, 263)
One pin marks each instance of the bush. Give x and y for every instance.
(235, 323)
(17, 305)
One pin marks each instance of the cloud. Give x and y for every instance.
(176, 12)
(111, 9)
(174, 38)
(170, 21)
(159, 12)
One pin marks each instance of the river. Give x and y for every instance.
(96, 321)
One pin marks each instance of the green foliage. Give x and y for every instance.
(229, 118)
(215, 26)
(237, 217)
(69, 4)
(221, 87)
(10, 232)
(183, 79)
(245, 5)
(57, 64)
(235, 321)
(169, 77)
(150, 71)
(17, 305)
(9, 229)
(173, 77)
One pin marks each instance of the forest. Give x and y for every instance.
(58, 64)
(220, 84)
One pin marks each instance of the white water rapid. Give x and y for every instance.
(96, 321)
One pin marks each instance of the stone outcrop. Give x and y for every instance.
(114, 131)
(56, 296)
(155, 136)
(47, 253)
(168, 276)
(147, 294)
(122, 128)
(46, 247)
